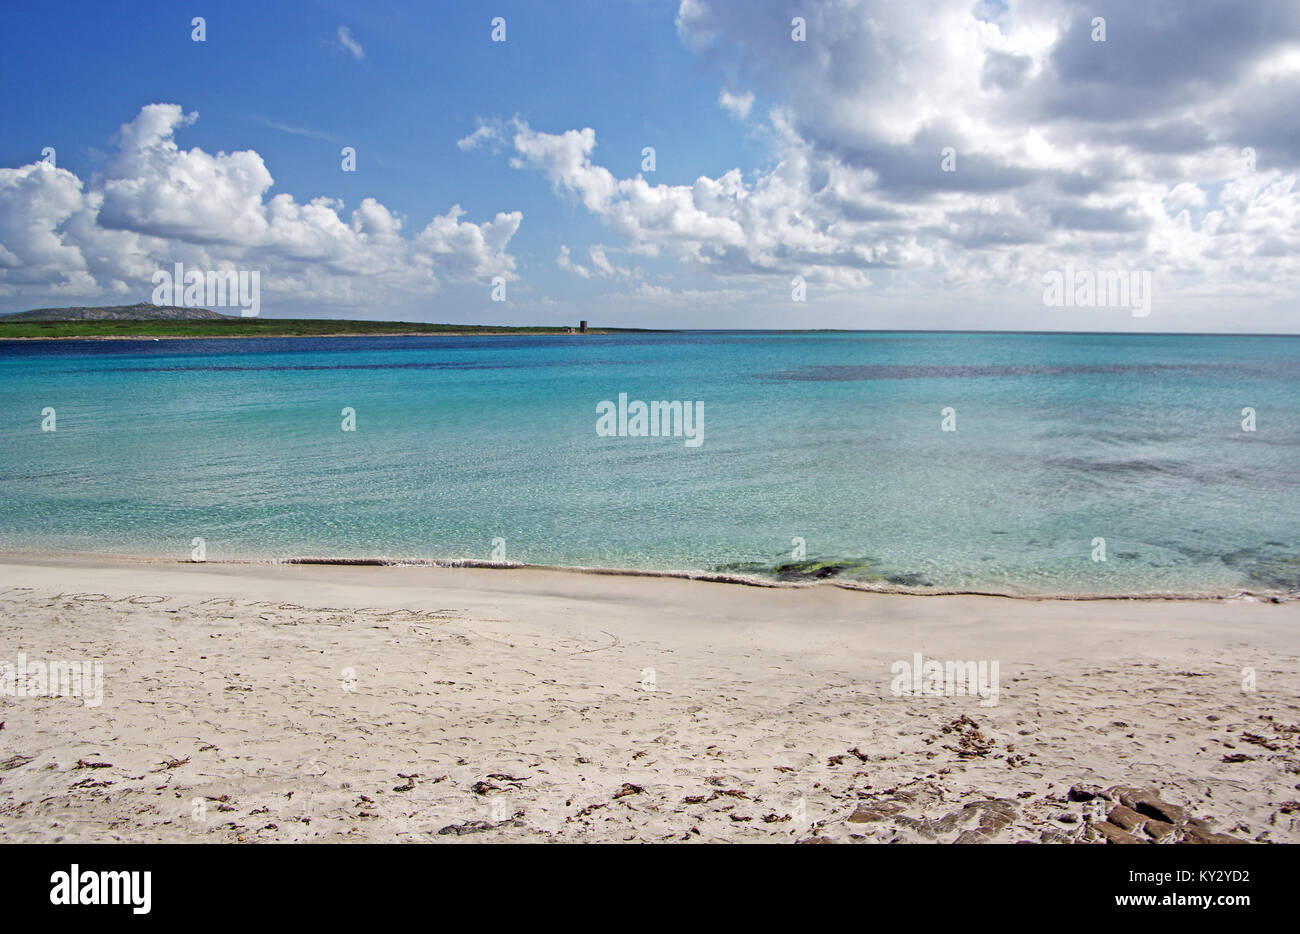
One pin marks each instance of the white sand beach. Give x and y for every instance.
(250, 703)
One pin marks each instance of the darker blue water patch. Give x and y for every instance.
(272, 368)
(168, 347)
(1122, 468)
(880, 371)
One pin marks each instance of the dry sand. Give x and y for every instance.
(314, 703)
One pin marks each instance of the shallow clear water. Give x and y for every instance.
(832, 438)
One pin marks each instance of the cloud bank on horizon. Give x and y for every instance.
(922, 164)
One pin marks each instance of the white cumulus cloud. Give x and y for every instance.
(157, 204)
(738, 105)
(968, 148)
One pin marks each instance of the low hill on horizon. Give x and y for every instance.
(142, 311)
(146, 320)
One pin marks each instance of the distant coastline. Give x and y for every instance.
(145, 321)
(8, 332)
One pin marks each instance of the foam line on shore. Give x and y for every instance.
(714, 577)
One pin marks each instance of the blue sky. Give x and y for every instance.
(778, 161)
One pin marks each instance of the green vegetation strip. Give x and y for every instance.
(261, 327)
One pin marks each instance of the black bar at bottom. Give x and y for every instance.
(334, 884)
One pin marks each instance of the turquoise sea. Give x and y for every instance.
(834, 439)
